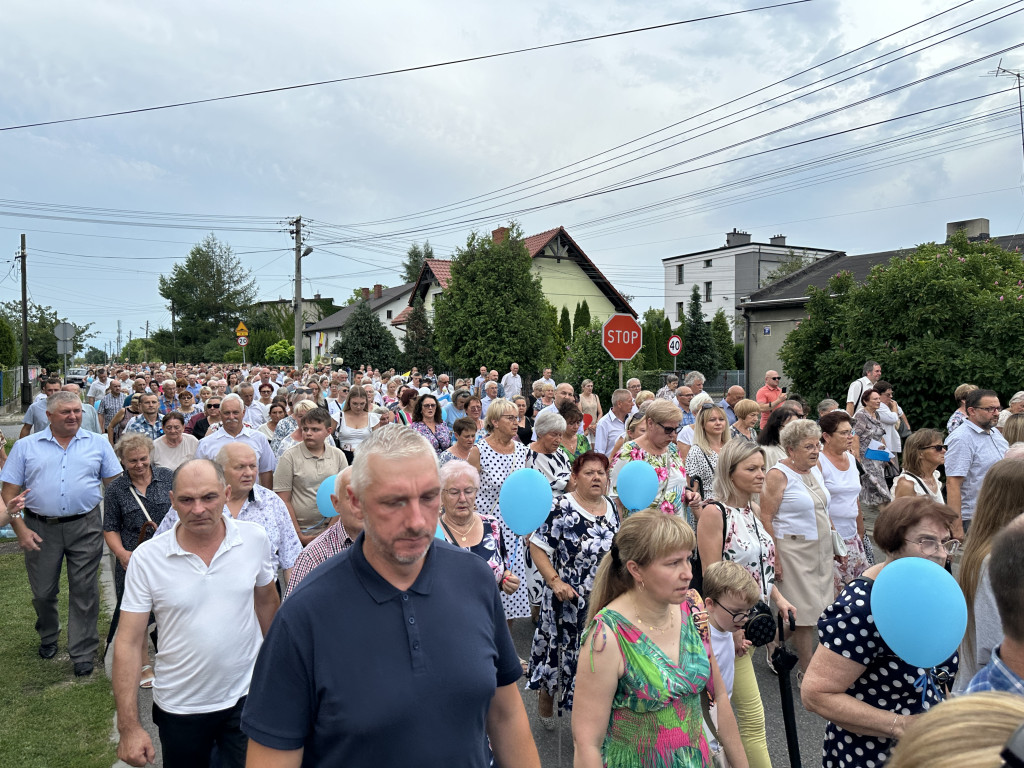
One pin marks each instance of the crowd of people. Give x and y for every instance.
(640, 618)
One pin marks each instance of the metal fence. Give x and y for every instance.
(10, 383)
(719, 384)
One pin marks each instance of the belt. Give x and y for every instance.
(51, 520)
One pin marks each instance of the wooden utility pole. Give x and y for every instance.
(298, 292)
(26, 385)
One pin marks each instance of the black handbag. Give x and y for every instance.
(760, 628)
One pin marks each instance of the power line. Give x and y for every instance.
(402, 70)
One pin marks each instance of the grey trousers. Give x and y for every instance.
(80, 542)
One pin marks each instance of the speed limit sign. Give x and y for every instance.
(675, 345)
(243, 340)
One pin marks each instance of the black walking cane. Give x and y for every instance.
(556, 606)
(784, 660)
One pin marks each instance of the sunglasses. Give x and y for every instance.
(936, 447)
(213, 405)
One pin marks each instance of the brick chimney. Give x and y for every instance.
(736, 238)
(378, 289)
(366, 294)
(778, 240)
(499, 235)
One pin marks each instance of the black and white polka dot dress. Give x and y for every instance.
(846, 627)
(495, 467)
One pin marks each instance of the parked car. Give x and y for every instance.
(76, 376)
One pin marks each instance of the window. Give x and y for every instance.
(707, 291)
(679, 274)
(389, 314)
(680, 311)
(707, 263)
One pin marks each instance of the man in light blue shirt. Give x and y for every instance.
(971, 450)
(457, 408)
(64, 468)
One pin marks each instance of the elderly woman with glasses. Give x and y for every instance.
(567, 550)
(657, 447)
(866, 693)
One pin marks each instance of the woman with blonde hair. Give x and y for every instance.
(748, 416)
(710, 434)
(590, 404)
(1013, 430)
(959, 416)
(645, 658)
(1000, 500)
(964, 732)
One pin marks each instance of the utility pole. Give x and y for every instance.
(26, 386)
(297, 231)
(174, 337)
(117, 350)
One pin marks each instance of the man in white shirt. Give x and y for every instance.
(255, 415)
(233, 428)
(99, 387)
(546, 377)
(511, 382)
(478, 382)
(613, 423)
(872, 373)
(200, 692)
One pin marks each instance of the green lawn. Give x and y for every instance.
(47, 717)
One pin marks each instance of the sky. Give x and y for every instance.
(803, 120)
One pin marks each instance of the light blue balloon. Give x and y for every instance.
(525, 500)
(439, 533)
(323, 497)
(97, 404)
(637, 485)
(919, 610)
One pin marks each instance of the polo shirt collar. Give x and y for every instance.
(976, 428)
(48, 435)
(232, 537)
(377, 586)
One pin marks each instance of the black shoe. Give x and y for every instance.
(83, 668)
(47, 650)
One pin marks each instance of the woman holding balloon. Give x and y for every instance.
(657, 447)
(496, 457)
(880, 662)
(567, 549)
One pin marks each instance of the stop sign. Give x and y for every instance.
(621, 337)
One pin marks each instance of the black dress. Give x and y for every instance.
(525, 434)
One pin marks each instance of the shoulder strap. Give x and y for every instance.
(694, 609)
(139, 501)
(919, 481)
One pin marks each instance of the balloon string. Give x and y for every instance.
(924, 682)
(515, 551)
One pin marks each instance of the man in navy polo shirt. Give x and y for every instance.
(396, 651)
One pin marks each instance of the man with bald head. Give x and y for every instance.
(770, 396)
(732, 396)
(208, 646)
(564, 393)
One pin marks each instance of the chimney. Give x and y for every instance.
(975, 229)
(366, 294)
(378, 289)
(778, 240)
(316, 297)
(736, 238)
(499, 235)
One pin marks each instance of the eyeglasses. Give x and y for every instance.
(930, 546)
(213, 405)
(935, 448)
(991, 409)
(511, 416)
(739, 616)
(469, 493)
(429, 405)
(671, 430)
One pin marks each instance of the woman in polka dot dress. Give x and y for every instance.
(867, 693)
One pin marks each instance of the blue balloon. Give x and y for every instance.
(98, 404)
(637, 485)
(919, 610)
(439, 533)
(323, 497)
(525, 500)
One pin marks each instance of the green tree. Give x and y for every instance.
(699, 351)
(93, 356)
(281, 353)
(419, 338)
(210, 292)
(667, 361)
(933, 318)
(414, 259)
(365, 339)
(587, 359)
(652, 325)
(42, 342)
(581, 319)
(565, 325)
(793, 262)
(722, 336)
(554, 350)
(9, 349)
(135, 351)
(493, 308)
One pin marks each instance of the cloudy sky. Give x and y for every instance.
(720, 123)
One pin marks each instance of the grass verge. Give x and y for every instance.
(49, 718)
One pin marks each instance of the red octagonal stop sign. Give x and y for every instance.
(622, 337)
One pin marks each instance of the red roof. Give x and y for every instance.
(534, 243)
(403, 316)
(442, 269)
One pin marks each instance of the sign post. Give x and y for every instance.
(242, 334)
(65, 333)
(675, 346)
(622, 338)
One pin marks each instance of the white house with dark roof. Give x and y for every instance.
(386, 303)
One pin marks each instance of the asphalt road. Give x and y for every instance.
(556, 746)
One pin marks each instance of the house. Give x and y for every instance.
(567, 276)
(724, 274)
(770, 313)
(386, 303)
(312, 309)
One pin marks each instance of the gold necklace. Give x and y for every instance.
(461, 533)
(651, 626)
